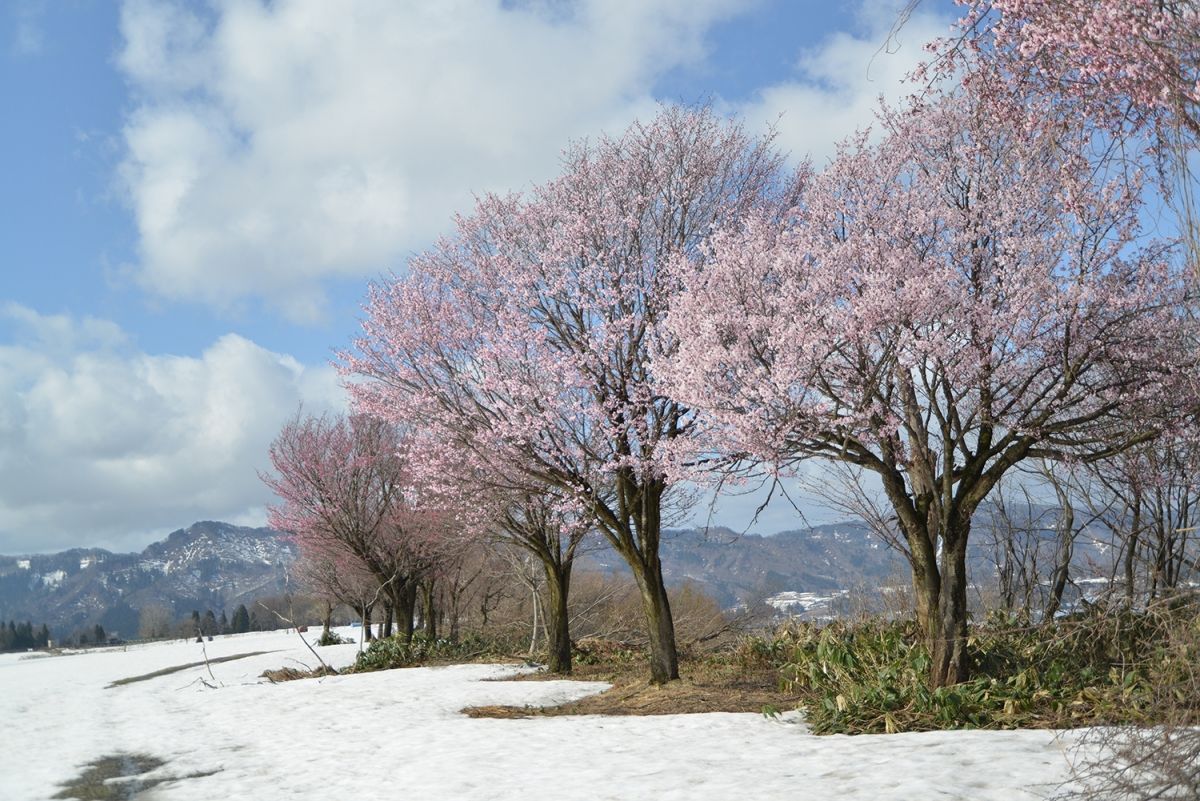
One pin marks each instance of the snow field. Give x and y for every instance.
(400, 733)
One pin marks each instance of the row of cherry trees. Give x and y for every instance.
(960, 291)
(368, 527)
(383, 517)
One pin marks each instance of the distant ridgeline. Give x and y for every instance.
(218, 566)
(208, 565)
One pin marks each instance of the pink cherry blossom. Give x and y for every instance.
(970, 292)
(351, 499)
(524, 340)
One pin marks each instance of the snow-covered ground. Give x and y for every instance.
(399, 733)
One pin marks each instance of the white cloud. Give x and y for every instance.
(837, 85)
(274, 146)
(105, 444)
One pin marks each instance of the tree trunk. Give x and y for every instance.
(660, 626)
(401, 601)
(536, 604)
(388, 614)
(405, 609)
(1131, 554)
(633, 526)
(948, 637)
(1062, 560)
(430, 609)
(926, 583)
(558, 621)
(366, 623)
(328, 619)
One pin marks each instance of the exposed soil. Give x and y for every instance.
(704, 686)
(118, 777)
(177, 668)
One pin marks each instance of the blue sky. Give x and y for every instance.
(196, 195)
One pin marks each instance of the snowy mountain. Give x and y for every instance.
(212, 565)
(209, 565)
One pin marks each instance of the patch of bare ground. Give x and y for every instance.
(705, 685)
(176, 668)
(119, 777)
(277, 675)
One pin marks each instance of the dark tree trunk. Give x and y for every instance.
(927, 584)
(327, 620)
(940, 595)
(388, 614)
(660, 626)
(636, 534)
(405, 609)
(429, 609)
(949, 640)
(401, 600)
(1062, 559)
(558, 620)
(1131, 553)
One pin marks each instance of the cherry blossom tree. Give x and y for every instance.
(349, 493)
(966, 294)
(1151, 502)
(1129, 68)
(1121, 61)
(338, 576)
(525, 339)
(538, 523)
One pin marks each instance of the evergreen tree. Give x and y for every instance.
(16, 636)
(241, 620)
(224, 623)
(100, 636)
(208, 626)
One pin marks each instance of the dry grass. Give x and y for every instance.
(708, 685)
(292, 674)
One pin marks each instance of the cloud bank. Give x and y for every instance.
(105, 444)
(274, 146)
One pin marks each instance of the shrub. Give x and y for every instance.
(395, 652)
(1162, 760)
(597, 651)
(1100, 668)
(331, 638)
